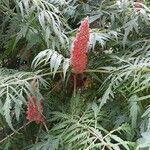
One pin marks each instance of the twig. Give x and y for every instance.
(111, 132)
(28, 79)
(57, 85)
(37, 138)
(10, 135)
(75, 84)
(46, 74)
(46, 128)
(99, 138)
(91, 144)
(97, 71)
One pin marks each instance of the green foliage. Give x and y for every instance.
(51, 58)
(109, 109)
(83, 131)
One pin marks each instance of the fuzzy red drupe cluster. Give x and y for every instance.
(34, 112)
(79, 48)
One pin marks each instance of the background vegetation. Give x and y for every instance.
(111, 108)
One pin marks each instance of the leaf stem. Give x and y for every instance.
(97, 71)
(46, 74)
(10, 135)
(37, 138)
(75, 84)
(46, 128)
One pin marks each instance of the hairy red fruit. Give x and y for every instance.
(34, 112)
(138, 5)
(79, 48)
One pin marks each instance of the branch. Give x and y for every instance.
(12, 134)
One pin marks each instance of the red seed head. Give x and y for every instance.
(80, 47)
(34, 112)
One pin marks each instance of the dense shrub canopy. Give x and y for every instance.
(57, 95)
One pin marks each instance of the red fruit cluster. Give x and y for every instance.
(34, 112)
(79, 48)
(138, 5)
